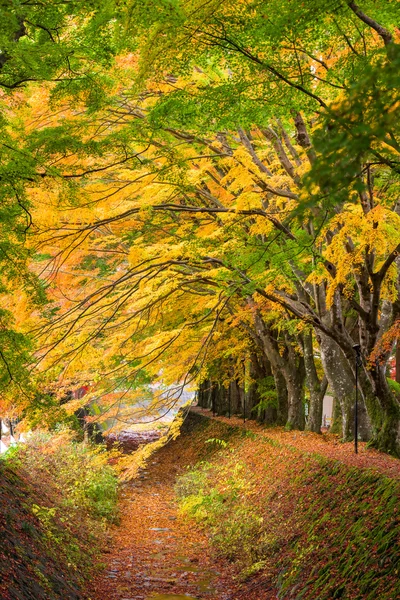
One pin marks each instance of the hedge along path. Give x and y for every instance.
(153, 554)
(327, 445)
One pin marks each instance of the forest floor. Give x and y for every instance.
(327, 445)
(154, 554)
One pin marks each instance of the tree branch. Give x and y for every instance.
(382, 31)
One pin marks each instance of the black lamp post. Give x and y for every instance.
(357, 350)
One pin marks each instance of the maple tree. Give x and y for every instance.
(221, 264)
(201, 235)
(68, 44)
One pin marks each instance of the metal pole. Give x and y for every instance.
(244, 388)
(356, 412)
(397, 360)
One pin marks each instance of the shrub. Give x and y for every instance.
(75, 494)
(78, 472)
(218, 496)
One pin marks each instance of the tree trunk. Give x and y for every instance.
(316, 388)
(384, 411)
(236, 398)
(316, 401)
(260, 370)
(282, 394)
(290, 367)
(294, 381)
(339, 371)
(336, 426)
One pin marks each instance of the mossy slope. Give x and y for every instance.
(56, 497)
(29, 567)
(297, 523)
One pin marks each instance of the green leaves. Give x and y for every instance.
(48, 41)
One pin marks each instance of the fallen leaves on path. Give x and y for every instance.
(155, 555)
(154, 552)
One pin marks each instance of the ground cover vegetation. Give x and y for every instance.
(202, 196)
(57, 497)
(292, 521)
(240, 511)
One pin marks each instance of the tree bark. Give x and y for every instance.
(290, 365)
(316, 388)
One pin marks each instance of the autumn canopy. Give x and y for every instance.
(201, 196)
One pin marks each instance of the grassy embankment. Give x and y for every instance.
(56, 498)
(291, 520)
(307, 526)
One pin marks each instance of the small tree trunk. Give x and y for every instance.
(236, 404)
(340, 380)
(384, 410)
(290, 367)
(260, 369)
(295, 380)
(316, 406)
(282, 393)
(336, 426)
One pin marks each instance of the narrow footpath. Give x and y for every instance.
(152, 554)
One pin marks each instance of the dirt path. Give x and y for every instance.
(153, 555)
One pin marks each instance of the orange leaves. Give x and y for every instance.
(155, 280)
(385, 344)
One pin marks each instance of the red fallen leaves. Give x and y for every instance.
(152, 551)
(327, 445)
(156, 551)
